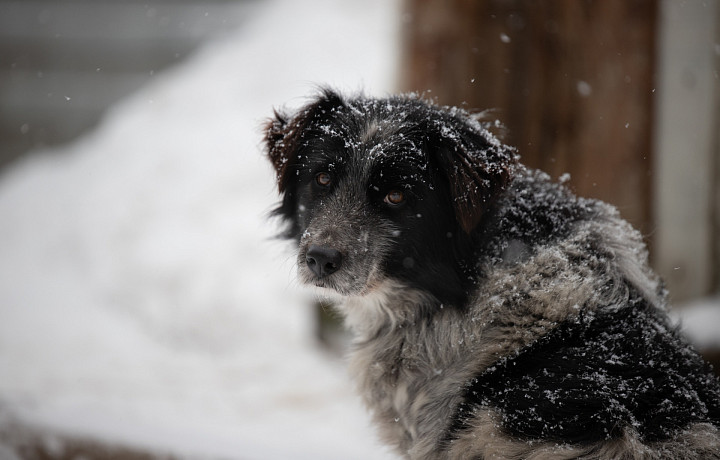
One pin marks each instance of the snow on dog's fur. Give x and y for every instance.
(495, 314)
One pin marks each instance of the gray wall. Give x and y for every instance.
(63, 62)
(687, 146)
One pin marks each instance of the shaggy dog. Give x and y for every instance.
(495, 314)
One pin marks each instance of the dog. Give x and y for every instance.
(494, 313)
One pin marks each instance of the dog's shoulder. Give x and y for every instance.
(545, 256)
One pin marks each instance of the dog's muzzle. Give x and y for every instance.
(323, 261)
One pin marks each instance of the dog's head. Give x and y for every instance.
(377, 189)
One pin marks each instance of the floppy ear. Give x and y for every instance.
(478, 167)
(283, 134)
(281, 139)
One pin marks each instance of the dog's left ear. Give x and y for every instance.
(478, 167)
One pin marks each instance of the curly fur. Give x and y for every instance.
(487, 303)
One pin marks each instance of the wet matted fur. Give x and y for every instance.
(495, 314)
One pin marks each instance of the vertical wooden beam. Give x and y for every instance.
(572, 80)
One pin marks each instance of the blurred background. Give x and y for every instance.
(142, 310)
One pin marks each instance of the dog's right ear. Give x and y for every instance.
(281, 143)
(284, 134)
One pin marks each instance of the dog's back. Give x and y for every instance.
(495, 313)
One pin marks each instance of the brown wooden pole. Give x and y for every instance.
(572, 80)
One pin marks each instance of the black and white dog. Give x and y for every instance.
(495, 314)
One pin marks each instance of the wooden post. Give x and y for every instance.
(572, 81)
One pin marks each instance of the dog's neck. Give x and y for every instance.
(388, 306)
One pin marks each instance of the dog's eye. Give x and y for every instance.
(323, 179)
(394, 197)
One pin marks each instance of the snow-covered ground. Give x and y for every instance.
(142, 297)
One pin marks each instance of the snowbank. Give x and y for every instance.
(142, 297)
(700, 321)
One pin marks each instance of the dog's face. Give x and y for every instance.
(384, 189)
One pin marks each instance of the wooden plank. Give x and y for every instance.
(81, 55)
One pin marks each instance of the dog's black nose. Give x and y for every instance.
(323, 261)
